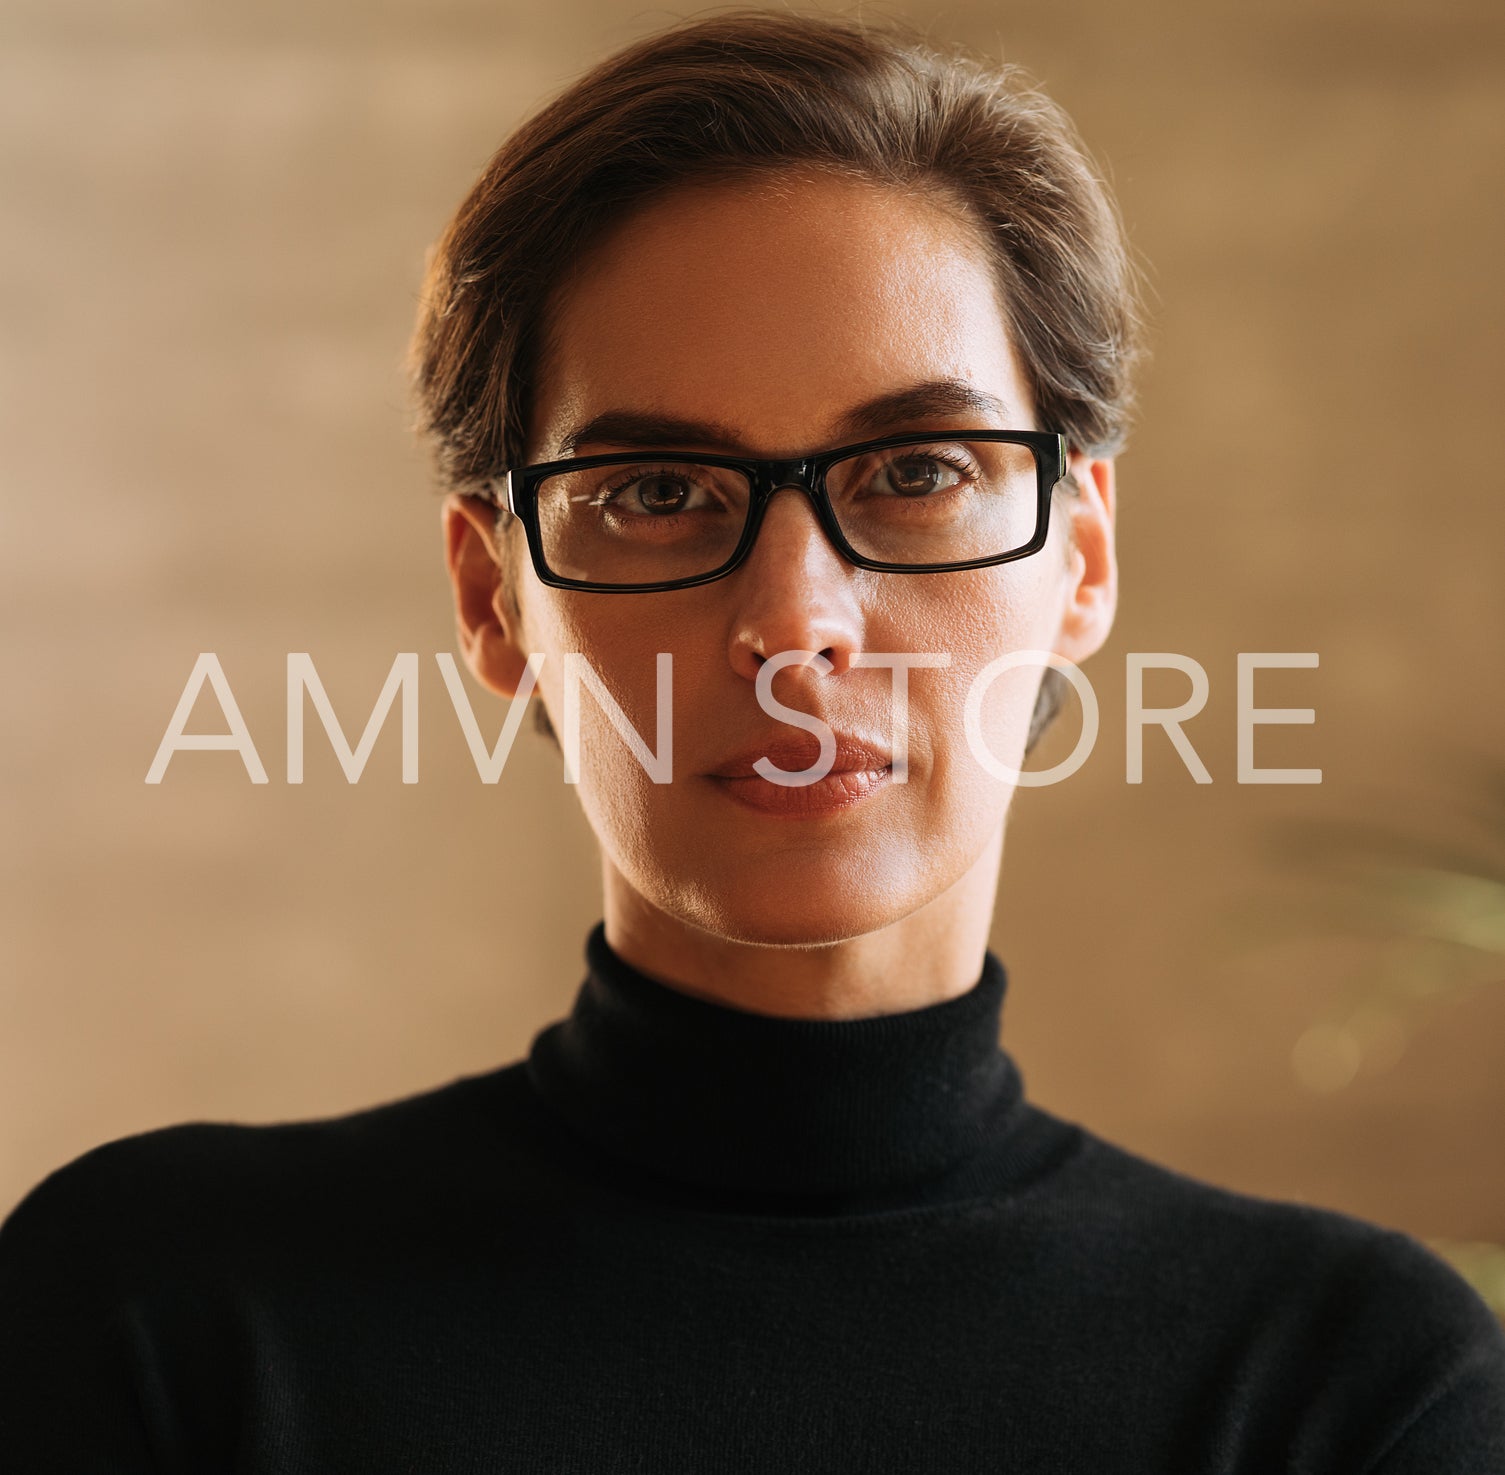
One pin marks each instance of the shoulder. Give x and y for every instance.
(130, 1208)
(161, 1252)
(1213, 1229)
(1362, 1326)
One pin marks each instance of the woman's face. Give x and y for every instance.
(776, 314)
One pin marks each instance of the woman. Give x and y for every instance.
(793, 352)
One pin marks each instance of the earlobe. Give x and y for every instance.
(1092, 586)
(489, 632)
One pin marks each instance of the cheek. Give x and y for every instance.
(1010, 611)
(621, 658)
(622, 655)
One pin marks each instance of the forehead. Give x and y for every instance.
(772, 306)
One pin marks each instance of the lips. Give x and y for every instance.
(794, 749)
(862, 768)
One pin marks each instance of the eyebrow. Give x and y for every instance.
(898, 410)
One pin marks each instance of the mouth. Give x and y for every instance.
(860, 769)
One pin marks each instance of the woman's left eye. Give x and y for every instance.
(918, 476)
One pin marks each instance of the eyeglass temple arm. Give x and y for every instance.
(499, 492)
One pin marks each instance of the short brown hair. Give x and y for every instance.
(754, 91)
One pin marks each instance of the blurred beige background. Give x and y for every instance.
(210, 247)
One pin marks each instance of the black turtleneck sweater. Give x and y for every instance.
(680, 1237)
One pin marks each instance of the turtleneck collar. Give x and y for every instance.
(704, 1094)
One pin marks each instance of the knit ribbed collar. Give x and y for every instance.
(702, 1093)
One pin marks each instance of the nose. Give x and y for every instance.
(794, 592)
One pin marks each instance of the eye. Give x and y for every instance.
(655, 492)
(918, 474)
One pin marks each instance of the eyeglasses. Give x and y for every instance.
(906, 504)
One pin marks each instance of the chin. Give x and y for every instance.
(791, 916)
(783, 932)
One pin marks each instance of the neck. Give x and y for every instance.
(933, 954)
(684, 1100)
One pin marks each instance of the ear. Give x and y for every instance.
(1092, 570)
(489, 625)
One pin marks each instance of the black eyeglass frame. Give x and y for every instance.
(517, 491)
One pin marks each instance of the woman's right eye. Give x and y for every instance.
(659, 493)
(663, 492)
